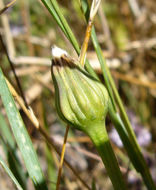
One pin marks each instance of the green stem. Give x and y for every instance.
(103, 65)
(125, 126)
(97, 132)
(135, 156)
(54, 9)
(56, 12)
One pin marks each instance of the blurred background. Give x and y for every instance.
(126, 31)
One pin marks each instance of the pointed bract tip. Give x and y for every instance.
(57, 52)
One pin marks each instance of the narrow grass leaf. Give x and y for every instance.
(52, 172)
(6, 133)
(10, 149)
(52, 11)
(21, 135)
(124, 128)
(55, 11)
(10, 174)
(57, 14)
(93, 185)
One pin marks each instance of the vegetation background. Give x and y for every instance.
(126, 31)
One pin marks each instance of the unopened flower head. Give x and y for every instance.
(80, 99)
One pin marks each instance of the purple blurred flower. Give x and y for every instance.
(143, 135)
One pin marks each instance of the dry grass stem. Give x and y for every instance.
(23, 71)
(33, 119)
(106, 30)
(93, 11)
(7, 33)
(31, 60)
(144, 44)
(7, 6)
(62, 158)
(28, 112)
(94, 8)
(35, 90)
(134, 80)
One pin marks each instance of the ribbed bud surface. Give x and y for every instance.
(80, 99)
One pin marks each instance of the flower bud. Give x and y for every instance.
(80, 99)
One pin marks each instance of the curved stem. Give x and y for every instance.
(136, 156)
(97, 132)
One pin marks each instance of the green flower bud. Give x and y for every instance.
(80, 99)
(82, 102)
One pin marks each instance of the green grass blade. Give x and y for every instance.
(10, 149)
(109, 80)
(21, 135)
(5, 132)
(85, 9)
(93, 185)
(52, 11)
(51, 173)
(134, 154)
(103, 66)
(105, 69)
(55, 11)
(124, 128)
(61, 21)
(10, 174)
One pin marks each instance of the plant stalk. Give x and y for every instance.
(99, 137)
(135, 156)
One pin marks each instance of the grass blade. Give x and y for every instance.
(124, 128)
(93, 185)
(112, 89)
(10, 149)
(55, 11)
(10, 174)
(21, 135)
(61, 21)
(5, 132)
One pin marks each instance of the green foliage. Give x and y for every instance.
(10, 174)
(21, 135)
(125, 127)
(10, 150)
(41, 23)
(93, 185)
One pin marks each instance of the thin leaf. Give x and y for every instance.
(10, 174)
(55, 11)
(21, 135)
(5, 132)
(93, 185)
(124, 127)
(51, 173)
(61, 21)
(10, 149)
